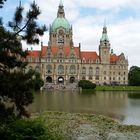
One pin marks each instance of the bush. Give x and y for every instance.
(85, 84)
(24, 130)
(36, 82)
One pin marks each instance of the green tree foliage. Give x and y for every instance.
(134, 76)
(36, 82)
(24, 130)
(1, 3)
(85, 84)
(14, 82)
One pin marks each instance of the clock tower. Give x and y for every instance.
(60, 33)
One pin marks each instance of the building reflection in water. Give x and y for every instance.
(112, 104)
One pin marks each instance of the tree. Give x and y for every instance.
(134, 76)
(15, 83)
(85, 84)
(1, 3)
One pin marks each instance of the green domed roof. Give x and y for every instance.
(60, 22)
(104, 37)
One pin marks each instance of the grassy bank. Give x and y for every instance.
(117, 88)
(67, 126)
(70, 126)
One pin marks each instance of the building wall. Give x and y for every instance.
(105, 70)
(101, 74)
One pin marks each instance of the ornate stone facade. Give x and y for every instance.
(62, 62)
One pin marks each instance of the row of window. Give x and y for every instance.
(120, 67)
(91, 61)
(72, 69)
(105, 78)
(61, 55)
(119, 73)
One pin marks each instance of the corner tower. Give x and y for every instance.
(104, 47)
(60, 33)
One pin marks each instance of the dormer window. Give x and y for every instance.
(60, 55)
(72, 55)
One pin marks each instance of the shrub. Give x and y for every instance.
(85, 84)
(24, 130)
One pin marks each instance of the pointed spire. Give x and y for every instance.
(61, 12)
(60, 3)
(104, 30)
(20, 3)
(105, 27)
(104, 33)
(34, 2)
(105, 22)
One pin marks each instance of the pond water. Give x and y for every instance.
(113, 104)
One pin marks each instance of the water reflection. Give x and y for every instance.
(114, 104)
(135, 95)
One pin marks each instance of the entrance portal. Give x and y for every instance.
(60, 80)
(49, 79)
(72, 79)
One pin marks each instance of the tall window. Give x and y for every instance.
(72, 69)
(83, 70)
(60, 69)
(90, 71)
(48, 55)
(60, 55)
(49, 69)
(83, 78)
(97, 71)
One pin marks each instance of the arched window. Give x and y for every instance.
(90, 77)
(83, 70)
(90, 71)
(60, 69)
(60, 55)
(49, 69)
(83, 78)
(72, 69)
(48, 55)
(97, 71)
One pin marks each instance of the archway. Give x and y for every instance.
(60, 80)
(72, 79)
(49, 79)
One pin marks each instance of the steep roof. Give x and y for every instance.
(114, 58)
(81, 54)
(33, 55)
(89, 55)
(55, 50)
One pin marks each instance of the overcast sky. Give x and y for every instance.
(87, 18)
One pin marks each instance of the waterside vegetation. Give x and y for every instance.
(117, 88)
(69, 126)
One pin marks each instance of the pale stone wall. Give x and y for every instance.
(107, 74)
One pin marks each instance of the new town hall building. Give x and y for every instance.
(62, 62)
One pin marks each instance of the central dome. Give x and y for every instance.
(60, 22)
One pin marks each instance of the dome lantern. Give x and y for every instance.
(60, 21)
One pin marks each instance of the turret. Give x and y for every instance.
(61, 31)
(61, 12)
(104, 47)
